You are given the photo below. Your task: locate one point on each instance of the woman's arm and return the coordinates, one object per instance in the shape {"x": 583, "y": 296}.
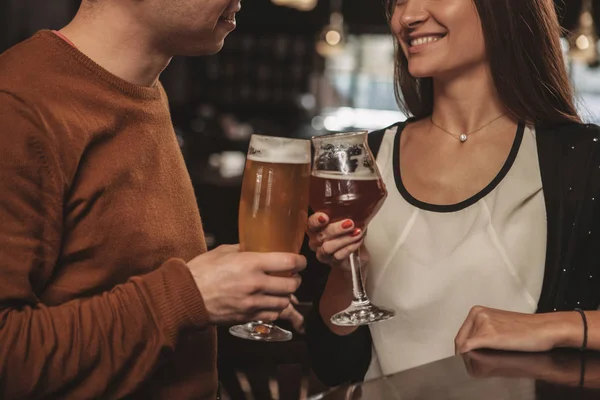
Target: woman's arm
{"x": 336, "y": 297}
{"x": 337, "y": 359}
{"x": 338, "y": 354}
{"x": 504, "y": 330}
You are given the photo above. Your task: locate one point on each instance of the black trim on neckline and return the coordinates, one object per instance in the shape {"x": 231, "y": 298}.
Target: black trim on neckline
{"x": 447, "y": 208}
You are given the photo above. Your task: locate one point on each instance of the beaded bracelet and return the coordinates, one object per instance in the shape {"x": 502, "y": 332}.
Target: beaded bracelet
{"x": 585, "y": 329}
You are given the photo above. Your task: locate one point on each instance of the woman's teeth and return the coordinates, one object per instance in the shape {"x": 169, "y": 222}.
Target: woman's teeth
{"x": 423, "y": 40}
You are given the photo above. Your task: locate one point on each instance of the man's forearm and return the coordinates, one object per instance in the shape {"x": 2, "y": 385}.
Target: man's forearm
{"x": 97, "y": 347}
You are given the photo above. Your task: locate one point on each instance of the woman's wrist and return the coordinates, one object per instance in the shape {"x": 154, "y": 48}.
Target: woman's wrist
{"x": 336, "y": 297}
{"x": 567, "y": 329}
{"x": 344, "y": 272}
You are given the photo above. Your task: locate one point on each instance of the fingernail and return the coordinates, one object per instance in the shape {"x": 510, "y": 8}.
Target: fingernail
{"x": 347, "y": 224}
{"x": 322, "y": 219}
{"x": 356, "y": 232}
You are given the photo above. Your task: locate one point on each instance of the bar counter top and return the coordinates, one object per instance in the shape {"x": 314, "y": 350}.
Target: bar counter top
{"x": 488, "y": 375}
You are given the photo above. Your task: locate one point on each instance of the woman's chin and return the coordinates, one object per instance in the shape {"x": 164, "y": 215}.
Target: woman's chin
{"x": 421, "y": 69}
{"x": 420, "y": 72}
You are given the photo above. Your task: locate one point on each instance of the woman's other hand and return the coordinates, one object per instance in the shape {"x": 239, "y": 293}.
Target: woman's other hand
{"x": 488, "y": 328}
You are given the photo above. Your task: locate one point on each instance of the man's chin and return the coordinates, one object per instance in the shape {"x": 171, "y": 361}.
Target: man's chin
{"x": 214, "y": 49}
{"x": 204, "y": 50}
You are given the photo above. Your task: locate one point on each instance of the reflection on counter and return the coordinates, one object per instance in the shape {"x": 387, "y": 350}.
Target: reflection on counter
{"x": 490, "y": 375}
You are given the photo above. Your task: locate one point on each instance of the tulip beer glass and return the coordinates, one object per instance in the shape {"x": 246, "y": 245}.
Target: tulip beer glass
{"x": 346, "y": 184}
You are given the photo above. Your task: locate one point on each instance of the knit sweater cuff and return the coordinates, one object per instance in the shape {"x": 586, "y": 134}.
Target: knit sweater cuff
{"x": 177, "y": 301}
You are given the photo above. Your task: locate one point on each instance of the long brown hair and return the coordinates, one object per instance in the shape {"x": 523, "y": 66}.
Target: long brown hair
{"x": 522, "y": 39}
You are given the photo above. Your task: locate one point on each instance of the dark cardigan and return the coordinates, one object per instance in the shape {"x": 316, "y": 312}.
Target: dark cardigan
{"x": 569, "y": 158}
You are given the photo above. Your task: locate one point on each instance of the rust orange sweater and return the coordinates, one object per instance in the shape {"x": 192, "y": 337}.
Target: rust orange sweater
{"x": 97, "y": 221}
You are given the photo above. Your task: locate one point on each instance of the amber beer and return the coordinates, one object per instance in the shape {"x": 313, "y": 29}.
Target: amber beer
{"x": 358, "y": 198}
{"x": 274, "y": 200}
{"x": 273, "y": 210}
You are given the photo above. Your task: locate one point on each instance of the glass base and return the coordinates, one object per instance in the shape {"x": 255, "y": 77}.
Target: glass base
{"x": 362, "y": 314}
{"x": 261, "y": 331}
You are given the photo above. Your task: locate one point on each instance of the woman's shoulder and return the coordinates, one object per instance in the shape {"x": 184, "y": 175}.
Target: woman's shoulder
{"x": 570, "y": 131}
{"x": 376, "y": 137}
{"x": 394, "y": 127}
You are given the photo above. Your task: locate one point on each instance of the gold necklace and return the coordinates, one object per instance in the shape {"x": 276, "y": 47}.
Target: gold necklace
{"x": 464, "y": 136}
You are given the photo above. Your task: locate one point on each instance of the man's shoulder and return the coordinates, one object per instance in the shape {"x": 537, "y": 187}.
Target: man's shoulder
{"x": 20, "y": 58}
{"x": 26, "y": 65}
{"x": 18, "y": 79}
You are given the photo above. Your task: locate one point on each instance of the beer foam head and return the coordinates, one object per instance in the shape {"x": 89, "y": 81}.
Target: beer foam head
{"x": 341, "y": 176}
{"x": 279, "y": 150}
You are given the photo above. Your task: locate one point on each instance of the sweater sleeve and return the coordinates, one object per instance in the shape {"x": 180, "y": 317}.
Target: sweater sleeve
{"x": 97, "y": 347}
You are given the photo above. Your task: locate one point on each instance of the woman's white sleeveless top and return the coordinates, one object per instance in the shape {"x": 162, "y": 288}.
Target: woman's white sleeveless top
{"x": 432, "y": 264}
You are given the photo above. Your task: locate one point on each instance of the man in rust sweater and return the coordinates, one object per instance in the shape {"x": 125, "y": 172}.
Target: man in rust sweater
{"x": 106, "y": 288}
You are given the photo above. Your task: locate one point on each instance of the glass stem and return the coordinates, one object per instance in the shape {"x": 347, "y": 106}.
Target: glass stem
{"x": 359, "y": 295}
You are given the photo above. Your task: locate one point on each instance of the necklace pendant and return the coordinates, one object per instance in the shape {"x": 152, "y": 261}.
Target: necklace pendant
{"x": 463, "y": 138}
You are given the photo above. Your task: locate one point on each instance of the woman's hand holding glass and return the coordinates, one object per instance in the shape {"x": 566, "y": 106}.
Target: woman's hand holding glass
{"x": 334, "y": 242}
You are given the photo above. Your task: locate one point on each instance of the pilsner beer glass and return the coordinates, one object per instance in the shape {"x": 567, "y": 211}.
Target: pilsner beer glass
{"x": 346, "y": 184}
{"x": 273, "y": 210}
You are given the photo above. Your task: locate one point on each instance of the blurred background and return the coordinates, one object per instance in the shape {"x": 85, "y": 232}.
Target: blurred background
{"x": 294, "y": 68}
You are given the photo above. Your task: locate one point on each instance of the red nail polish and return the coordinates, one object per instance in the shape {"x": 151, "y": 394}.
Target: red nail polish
{"x": 356, "y": 232}
{"x": 347, "y": 224}
{"x": 322, "y": 219}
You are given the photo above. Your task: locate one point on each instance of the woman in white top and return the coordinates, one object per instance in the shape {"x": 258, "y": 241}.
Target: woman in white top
{"x": 463, "y": 249}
